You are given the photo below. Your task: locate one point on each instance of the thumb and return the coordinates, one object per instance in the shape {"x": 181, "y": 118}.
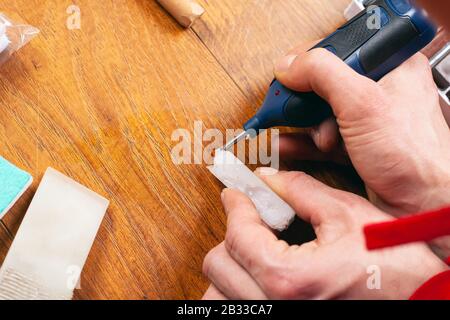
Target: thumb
{"x": 331, "y": 212}
{"x": 351, "y": 95}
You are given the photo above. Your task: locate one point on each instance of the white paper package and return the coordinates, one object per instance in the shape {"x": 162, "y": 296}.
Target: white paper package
{"x": 274, "y": 211}
{"x": 13, "y": 36}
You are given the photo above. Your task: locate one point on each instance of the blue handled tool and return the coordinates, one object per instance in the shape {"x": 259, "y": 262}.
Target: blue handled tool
{"x": 373, "y": 43}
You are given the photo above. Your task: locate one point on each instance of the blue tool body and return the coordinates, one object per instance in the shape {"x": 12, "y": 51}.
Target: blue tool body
{"x": 402, "y": 31}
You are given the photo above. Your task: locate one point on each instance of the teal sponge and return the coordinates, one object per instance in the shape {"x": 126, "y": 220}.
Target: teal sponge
{"x": 13, "y": 183}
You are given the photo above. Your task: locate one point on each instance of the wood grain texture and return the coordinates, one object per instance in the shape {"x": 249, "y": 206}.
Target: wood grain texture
{"x": 100, "y": 104}
{"x": 247, "y": 37}
{"x": 5, "y": 241}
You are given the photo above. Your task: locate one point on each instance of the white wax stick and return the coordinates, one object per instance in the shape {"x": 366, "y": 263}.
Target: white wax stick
{"x": 4, "y": 41}
{"x": 274, "y": 211}
{"x": 53, "y": 241}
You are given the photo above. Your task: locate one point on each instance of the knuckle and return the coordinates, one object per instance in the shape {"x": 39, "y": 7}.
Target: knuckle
{"x": 210, "y": 261}
{"x": 350, "y": 209}
{"x": 344, "y": 198}
{"x": 281, "y": 284}
{"x": 232, "y": 238}
{"x": 423, "y": 65}
{"x": 316, "y": 59}
{"x": 346, "y": 204}
{"x": 421, "y": 60}
{"x": 298, "y": 177}
{"x": 321, "y": 54}
{"x": 281, "y": 289}
{"x": 327, "y": 139}
{"x": 298, "y": 180}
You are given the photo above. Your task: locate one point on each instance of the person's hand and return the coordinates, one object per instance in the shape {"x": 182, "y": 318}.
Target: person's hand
{"x": 253, "y": 264}
{"x": 393, "y": 131}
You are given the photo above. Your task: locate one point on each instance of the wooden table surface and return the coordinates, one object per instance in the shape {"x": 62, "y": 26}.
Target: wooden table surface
{"x": 100, "y": 104}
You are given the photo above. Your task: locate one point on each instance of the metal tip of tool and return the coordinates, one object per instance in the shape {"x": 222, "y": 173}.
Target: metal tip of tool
{"x": 237, "y": 139}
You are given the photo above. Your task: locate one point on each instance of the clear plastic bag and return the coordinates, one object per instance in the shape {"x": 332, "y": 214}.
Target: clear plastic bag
{"x": 13, "y": 36}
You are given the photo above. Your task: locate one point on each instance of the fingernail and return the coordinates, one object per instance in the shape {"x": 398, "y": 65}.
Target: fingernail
{"x": 315, "y": 135}
{"x": 285, "y": 63}
{"x": 222, "y": 195}
{"x": 266, "y": 171}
